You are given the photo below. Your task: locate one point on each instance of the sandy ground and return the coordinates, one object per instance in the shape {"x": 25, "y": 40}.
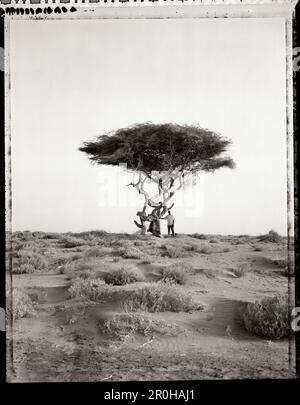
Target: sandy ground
{"x": 64, "y": 340}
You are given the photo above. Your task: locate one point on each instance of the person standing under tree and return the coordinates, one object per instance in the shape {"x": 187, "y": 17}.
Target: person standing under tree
{"x": 170, "y": 222}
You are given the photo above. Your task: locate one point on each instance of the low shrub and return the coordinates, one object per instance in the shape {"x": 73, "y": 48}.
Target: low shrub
{"x": 268, "y": 318}
{"x": 67, "y": 267}
{"x": 76, "y": 265}
{"x": 90, "y": 235}
{"x": 27, "y": 236}
{"x": 61, "y": 260}
{"x": 160, "y": 297}
{"x": 272, "y": 237}
{"x": 51, "y": 236}
{"x": 174, "y": 251}
{"x": 75, "y": 257}
{"x": 97, "y": 251}
{"x": 191, "y": 247}
{"x": 21, "y": 305}
{"x": 173, "y": 274}
{"x": 198, "y": 236}
{"x": 130, "y": 253}
{"x": 86, "y": 274}
{"x": 122, "y": 325}
{"x": 27, "y": 261}
{"x": 87, "y": 288}
{"x": 113, "y": 243}
{"x": 24, "y": 268}
{"x": 205, "y": 249}
{"x": 71, "y": 242}
{"x": 120, "y": 277}
{"x": 16, "y": 247}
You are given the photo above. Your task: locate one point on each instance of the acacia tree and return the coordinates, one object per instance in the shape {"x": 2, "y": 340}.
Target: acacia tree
{"x": 164, "y": 154}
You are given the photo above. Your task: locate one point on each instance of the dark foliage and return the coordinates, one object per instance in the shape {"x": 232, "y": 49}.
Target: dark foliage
{"x": 272, "y": 237}
{"x": 160, "y": 147}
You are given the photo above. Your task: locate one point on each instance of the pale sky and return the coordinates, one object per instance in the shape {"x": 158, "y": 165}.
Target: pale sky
{"x": 73, "y": 80}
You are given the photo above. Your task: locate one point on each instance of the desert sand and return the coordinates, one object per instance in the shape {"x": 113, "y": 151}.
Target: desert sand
{"x": 66, "y": 337}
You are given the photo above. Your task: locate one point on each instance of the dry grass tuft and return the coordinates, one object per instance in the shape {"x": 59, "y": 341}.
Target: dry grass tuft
{"x": 120, "y": 277}
{"x": 268, "y": 318}
{"x": 174, "y": 252}
{"x": 51, "y": 236}
{"x": 28, "y": 261}
{"x": 97, "y": 252}
{"x": 272, "y": 237}
{"x": 192, "y": 247}
{"x": 205, "y": 249}
{"x": 122, "y": 325}
{"x": 176, "y": 273}
{"x": 160, "y": 297}
{"x": 198, "y": 236}
{"x": 71, "y": 242}
{"x": 87, "y": 288}
{"x": 90, "y": 235}
{"x": 21, "y": 306}
{"x": 130, "y": 252}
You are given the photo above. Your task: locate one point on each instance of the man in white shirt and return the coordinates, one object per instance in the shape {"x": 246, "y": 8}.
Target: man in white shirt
{"x": 170, "y": 222}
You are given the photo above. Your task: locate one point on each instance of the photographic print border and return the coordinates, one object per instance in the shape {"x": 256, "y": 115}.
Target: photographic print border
{"x": 159, "y": 9}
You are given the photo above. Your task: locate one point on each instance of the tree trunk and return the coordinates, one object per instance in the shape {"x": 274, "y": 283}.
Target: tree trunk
{"x": 159, "y": 208}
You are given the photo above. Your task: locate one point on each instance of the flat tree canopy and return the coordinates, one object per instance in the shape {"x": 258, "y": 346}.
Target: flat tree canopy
{"x": 161, "y": 147}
